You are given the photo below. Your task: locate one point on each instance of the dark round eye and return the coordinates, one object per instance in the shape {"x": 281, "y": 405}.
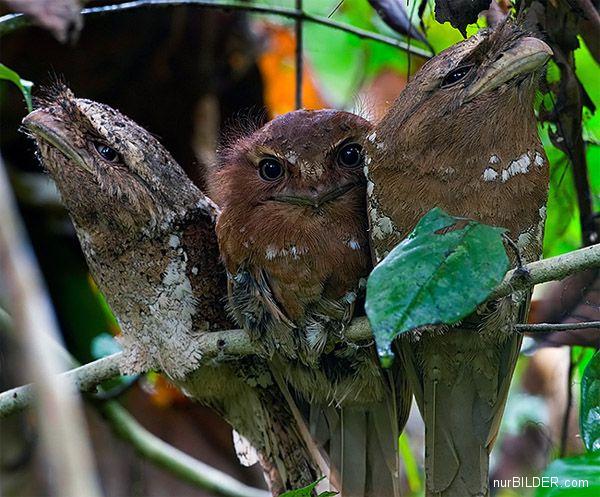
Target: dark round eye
{"x": 350, "y": 155}
{"x": 455, "y": 76}
{"x": 270, "y": 169}
{"x": 107, "y": 153}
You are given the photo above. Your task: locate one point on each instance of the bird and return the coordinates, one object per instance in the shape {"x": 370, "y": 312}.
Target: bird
{"x": 462, "y": 136}
{"x": 292, "y": 232}
{"x": 148, "y": 235}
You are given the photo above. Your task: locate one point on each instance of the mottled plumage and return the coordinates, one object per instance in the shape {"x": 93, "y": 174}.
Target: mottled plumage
{"x": 148, "y": 236}
{"x": 463, "y": 136}
{"x": 293, "y": 237}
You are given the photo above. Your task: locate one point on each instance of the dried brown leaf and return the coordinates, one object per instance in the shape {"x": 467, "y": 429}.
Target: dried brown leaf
{"x": 459, "y": 13}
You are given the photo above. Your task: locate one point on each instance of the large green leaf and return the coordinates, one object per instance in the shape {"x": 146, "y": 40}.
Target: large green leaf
{"x": 23, "y": 85}
{"x": 589, "y": 416}
{"x": 572, "y": 477}
{"x": 308, "y": 491}
{"x": 438, "y": 274}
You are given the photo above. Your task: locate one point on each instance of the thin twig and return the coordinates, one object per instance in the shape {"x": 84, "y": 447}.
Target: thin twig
{"x": 178, "y": 463}
{"x": 546, "y": 327}
{"x": 299, "y": 61}
{"x": 12, "y": 22}
{"x": 335, "y": 9}
{"x": 63, "y": 431}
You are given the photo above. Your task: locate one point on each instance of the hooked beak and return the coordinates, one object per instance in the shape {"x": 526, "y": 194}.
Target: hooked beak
{"x": 528, "y": 55}
{"x": 45, "y": 127}
{"x": 315, "y": 201}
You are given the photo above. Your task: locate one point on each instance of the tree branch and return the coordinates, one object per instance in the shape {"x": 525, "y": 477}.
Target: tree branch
{"x": 555, "y": 268}
{"x": 12, "y": 22}
{"x": 221, "y": 345}
{"x": 173, "y": 460}
{"x": 546, "y": 327}
{"x": 84, "y": 378}
{"x": 157, "y": 451}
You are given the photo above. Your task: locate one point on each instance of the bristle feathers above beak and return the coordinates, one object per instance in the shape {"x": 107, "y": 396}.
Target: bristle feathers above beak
{"x": 45, "y": 127}
{"x": 526, "y": 56}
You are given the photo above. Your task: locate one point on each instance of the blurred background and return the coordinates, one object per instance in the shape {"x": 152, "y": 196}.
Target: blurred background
{"x": 190, "y": 74}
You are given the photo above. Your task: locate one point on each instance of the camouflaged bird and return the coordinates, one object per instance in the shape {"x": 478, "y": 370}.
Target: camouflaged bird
{"x": 148, "y": 236}
{"x": 463, "y": 136}
{"x": 293, "y": 236}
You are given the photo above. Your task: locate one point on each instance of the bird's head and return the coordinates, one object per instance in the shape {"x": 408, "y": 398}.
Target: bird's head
{"x": 468, "y": 93}
{"x": 113, "y": 175}
{"x": 301, "y": 164}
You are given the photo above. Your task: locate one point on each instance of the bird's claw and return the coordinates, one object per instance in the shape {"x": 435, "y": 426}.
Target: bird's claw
{"x": 510, "y": 242}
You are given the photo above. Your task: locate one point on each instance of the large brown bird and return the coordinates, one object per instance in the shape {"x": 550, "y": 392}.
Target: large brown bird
{"x": 463, "y": 136}
{"x": 148, "y": 236}
{"x": 293, "y": 236}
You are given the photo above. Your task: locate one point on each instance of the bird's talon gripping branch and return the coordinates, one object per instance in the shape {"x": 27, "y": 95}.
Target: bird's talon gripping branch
{"x": 522, "y": 275}
{"x": 511, "y": 243}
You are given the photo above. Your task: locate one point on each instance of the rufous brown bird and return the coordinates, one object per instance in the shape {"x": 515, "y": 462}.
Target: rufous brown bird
{"x": 293, "y": 236}
{"x": 148, "y": 236}
{"x": 463, "y": 136}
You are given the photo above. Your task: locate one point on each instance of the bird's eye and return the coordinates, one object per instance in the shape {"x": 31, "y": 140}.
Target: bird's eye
{"x": 455, "y": 76}
{"x": 106, "y": 152}
{"x": 350, "y": 155}
{"x": 270, "y": 169}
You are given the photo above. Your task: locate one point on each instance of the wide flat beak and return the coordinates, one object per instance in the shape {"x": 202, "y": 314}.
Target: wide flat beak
{"x": 46, "y": 127}
{"x": 525, "y": 57}
{"x": 315, "y": 201}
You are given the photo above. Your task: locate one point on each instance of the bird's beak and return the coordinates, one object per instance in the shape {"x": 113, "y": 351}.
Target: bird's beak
{"x": 315, "y": 201}
{"x": 46, "y": 127}
{"x": 525, "y": 57}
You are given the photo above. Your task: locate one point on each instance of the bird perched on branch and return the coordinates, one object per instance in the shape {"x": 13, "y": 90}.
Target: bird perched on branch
{"x": 148, "y": 236}
{"x": 293, "y": 237}
{"x": 463, "y": 136}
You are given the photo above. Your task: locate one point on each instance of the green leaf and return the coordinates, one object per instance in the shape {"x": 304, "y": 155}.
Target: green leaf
{"x": 24, "y": 85}
{"x": 308, "y": 491}
{"x": 571, "y": 477}
{"x": 439, "y": 274}
{"x": 589, "y": 416}
{"x": 410, "y": 463}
